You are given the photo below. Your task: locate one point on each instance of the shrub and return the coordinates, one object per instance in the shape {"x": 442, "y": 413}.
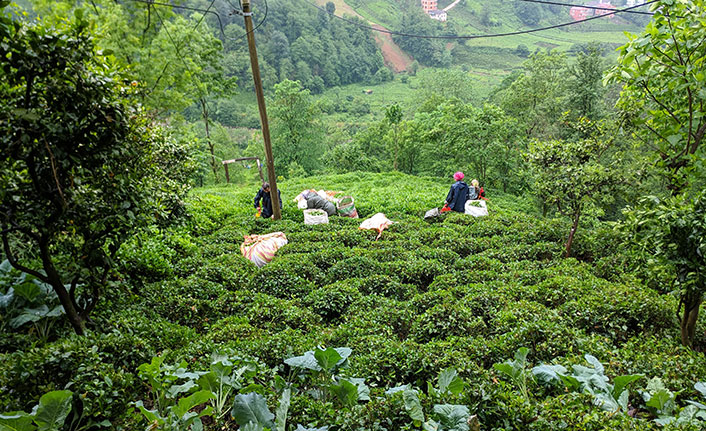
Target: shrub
{"x": 354, "y": 267}
{"x": 281, "y": 281}
{"x": 444, "y": 320}
{"x": 386, "y": 286}
{"x": 331, "y": 302}
{"x": 416, "y": 271}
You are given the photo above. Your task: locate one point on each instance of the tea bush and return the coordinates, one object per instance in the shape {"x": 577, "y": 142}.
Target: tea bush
{"x": 455, "y": 292}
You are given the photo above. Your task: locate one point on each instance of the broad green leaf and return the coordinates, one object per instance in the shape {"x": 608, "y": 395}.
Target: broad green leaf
{"x": 5, "y": 266}
{"x": 452, "y": 417}
{"x": 701, "y": 387}
{"x": 363, "y": 389}
{"x": 521, "y": 355}
{"x": 30, "y": 315}
{"x": 56, "y": 311}
{"x": 659, "y": 400}
{"x": 507, "y": 369}
{"x": 606, "y": 402}
{"x": 16, "y": 421}
{"x": 209, "y": 382}
{"x": 186, "y": 387}
{"x": 595, "y": 362}
{"x": 346, "y": 392}
{"x": 450, "y": 381}
{"x": 620, "y": 382}
{"x": 150, "y": 415}
{"x": 27, "y": 290}
{"x": 571, "y": 382}
{"x": 281, "y": 411}
{"x": 623, "y": 399}
{"x": 548, "y": 374}
{"x": 6, "y": 299}
{"x": 396, "y": 389}
{"x": 252, "y": 407}
{"x": 53, "y": 408}
{"x": 307, "y": 361}
{"x": 252, "y": 426}
{"x": 430, "y": 425}
{"x": 327, "y": 359}
{"x": 196, "y": 399}
{"x": 412, "y": 405}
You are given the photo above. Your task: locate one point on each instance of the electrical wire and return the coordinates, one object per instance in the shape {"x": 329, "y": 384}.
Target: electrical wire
{"x": 584, "y": 6}
{"x": 205, "y": 11}
{"x": 479, "y": 36}
{"x": 237, "y": 10}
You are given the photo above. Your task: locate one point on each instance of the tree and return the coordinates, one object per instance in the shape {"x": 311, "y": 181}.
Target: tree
{"x": 586, "y": 90}
{"x": 662, "y": 72}
{"x": 571, "y": 174}
{"x": 535, "y": 98}
{"x": 671, "y": 233}
{"x": 77, "y": 178}
{"x": 393, "y": 116}
{"x": 296, "y": 132}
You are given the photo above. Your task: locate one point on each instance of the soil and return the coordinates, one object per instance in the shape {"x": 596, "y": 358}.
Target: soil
{"x": 394, "y": 57}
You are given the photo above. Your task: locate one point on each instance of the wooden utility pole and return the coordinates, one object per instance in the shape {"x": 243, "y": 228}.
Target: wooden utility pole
{"x": 247, "y": 14}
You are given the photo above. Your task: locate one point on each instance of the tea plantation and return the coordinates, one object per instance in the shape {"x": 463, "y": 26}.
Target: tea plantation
{"x": 460, "y": 323}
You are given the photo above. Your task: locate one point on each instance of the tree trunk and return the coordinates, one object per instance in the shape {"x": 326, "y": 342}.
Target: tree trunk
{"x": 204, "y": 114}
{"x": 71, "y": 313}
{"x": 692, "y": 303}
{"x": 54, "y": 279}
{"x": 570, "y": 240}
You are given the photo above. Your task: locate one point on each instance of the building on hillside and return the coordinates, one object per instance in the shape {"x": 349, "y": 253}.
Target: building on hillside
{"x": 429, "y": 5}
{"x": 438, "y": 15}
{"x": 579, "y": 13}
{"x": 631, "y": 3}
{"x": 604, "y": 5}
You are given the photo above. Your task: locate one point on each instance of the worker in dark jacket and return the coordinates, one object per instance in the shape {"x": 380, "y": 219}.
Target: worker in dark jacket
{"x": 264, "y": 194}
{"x": 458, "y": 195}
{"x": 314, "y": 201}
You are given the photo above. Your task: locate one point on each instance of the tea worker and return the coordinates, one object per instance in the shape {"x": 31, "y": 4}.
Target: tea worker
{"x": 264, "y": 194}
{"x": 458, "y": 195}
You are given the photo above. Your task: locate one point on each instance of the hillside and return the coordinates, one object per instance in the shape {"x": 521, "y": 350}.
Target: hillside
{"x": 497, "y": 56}
{"x": 426, "y": 298}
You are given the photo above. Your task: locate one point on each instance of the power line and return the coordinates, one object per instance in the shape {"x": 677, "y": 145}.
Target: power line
{"x": 479, "y": 36}
{"x": 205, "y": 11}
{"x": 586, "y": 6}
{"x": 237, "y": 10}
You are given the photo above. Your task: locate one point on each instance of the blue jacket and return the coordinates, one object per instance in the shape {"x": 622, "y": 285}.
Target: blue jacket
{"x": 266, "y": 202}
{"x": 457, "y": 197}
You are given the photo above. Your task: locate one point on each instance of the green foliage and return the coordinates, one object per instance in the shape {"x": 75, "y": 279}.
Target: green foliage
{"x": 296, "y": 133}
{"x": 668, "y": 233}
{"x": 661, "y": 70}
{"x": 49, "y": 415}
{"x": 572, "y": 175}
{"x": 78, "y": 178}
{"x": 431, "y": 307}
{"x": 27, "y": 300}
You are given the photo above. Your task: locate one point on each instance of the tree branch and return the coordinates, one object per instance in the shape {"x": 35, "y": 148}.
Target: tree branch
{"x": 13, "y": 261}
{"x": 669, "y": 111}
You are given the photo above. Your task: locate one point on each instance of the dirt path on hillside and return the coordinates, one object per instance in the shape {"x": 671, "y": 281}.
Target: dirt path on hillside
{"x": 393, "y": 55}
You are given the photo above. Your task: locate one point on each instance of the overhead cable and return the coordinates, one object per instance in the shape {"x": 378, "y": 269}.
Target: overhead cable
{"x": 585, "y": 6}
{"x": 478, "y": 36}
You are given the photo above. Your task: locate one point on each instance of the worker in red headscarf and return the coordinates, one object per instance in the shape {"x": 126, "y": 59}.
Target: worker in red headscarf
{"x": 458, "y": 195}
